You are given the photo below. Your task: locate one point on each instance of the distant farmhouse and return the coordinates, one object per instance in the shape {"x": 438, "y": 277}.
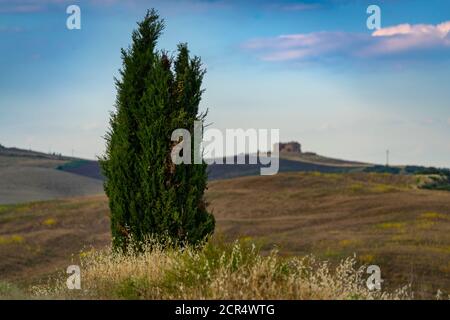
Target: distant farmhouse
{"x": 289, "y": 147}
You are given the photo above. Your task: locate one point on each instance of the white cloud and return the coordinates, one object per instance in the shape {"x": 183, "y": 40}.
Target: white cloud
{"x": 440, "y": 30}
{"x": 403, "y": 38}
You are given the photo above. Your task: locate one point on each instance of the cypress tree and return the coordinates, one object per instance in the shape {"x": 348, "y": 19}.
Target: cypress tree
{"x": 148, "y": 194}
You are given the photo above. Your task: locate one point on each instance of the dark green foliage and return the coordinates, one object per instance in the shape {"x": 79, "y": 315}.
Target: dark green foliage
{"x": 382, "y": 169}
{"x": 438, "y": 183}
{"x": 440, "y": 178}
{"x": 149, "y": 196}
{"x": 72, "y": 164}
{"x": 427, "y": 170}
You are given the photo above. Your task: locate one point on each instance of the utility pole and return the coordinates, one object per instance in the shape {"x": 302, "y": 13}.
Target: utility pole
{"x": 387, "y": 158}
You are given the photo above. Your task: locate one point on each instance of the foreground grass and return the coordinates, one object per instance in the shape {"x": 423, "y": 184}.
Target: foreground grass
{"x": 215, "y": 271}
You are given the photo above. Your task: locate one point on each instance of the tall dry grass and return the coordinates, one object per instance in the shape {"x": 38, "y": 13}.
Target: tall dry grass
{"x": 214, "y": 271}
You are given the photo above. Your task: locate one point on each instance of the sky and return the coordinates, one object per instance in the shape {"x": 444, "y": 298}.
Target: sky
{"x": 312, "y": 69}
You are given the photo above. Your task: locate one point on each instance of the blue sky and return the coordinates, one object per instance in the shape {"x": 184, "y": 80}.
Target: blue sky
{"x": 309, "y": 68}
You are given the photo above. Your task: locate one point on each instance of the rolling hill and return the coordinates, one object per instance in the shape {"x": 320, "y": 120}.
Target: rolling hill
{"x": 27, "y": 175}
{"x": 31, "y": 176}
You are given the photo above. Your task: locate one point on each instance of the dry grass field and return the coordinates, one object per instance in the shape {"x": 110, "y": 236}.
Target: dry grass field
{"x": 383, "y": 219}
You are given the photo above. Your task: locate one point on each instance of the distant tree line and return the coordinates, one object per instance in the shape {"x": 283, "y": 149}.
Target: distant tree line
{"x": 439, "y": 177}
